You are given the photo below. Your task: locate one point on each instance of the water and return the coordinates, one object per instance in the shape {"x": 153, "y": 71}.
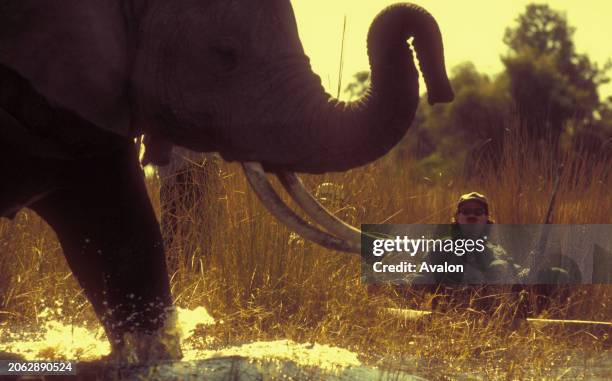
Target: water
{"x": 53, "y": 339}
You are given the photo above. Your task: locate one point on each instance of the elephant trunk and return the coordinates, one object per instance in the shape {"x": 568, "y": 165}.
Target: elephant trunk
{"x": 368, "y": 128}
{"x": 310, "y": 131}
{"x": 359, "y": 132}
{"x": 391, "y": 60}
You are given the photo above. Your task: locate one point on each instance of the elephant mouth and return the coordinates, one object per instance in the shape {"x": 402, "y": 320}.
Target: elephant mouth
{"x": 336, "y": 234}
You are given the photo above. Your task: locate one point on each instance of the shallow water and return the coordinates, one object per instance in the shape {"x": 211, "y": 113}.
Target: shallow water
{"x": 54, "y": 339}
{"x": 75, "y": 342}
{"x": 251, "y": 361}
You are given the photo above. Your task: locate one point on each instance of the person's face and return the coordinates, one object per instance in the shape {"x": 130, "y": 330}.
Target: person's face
{"x": 471, "y": 212}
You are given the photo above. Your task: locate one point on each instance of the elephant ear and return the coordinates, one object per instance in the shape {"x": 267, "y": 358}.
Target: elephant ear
{"x": 73, "y": 53}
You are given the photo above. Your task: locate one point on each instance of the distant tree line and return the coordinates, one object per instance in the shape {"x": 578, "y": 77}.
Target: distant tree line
{"x": 547, "y": 90}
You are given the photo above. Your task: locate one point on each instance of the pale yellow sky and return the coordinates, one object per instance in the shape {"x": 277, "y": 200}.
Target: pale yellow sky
{"x": 472, "y": 31}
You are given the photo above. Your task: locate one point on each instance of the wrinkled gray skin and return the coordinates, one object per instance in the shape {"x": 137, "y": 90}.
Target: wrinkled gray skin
{"x": 248, "y": 98}
{"x": 228, "y": 76}
{"x": 80, "y": 78}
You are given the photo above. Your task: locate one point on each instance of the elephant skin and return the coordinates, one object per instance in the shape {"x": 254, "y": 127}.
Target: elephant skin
{"x": 80, "y": 79}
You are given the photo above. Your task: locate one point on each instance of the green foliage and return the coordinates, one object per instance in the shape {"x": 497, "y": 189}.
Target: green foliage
{"x": 543, "y": 29}
{"x": 474, "y": 122}
{"x": 549, "y": 81}
{"x": 547, "y": 88}
{"x": 359, "y": 86}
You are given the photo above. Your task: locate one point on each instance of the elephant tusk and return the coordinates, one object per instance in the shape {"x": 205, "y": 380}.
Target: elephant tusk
{"x": 271, "y": 200}
{"x": 295, "y": 187}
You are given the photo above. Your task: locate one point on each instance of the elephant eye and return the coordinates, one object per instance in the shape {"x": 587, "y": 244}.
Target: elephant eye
{"x": 226, "y": 52}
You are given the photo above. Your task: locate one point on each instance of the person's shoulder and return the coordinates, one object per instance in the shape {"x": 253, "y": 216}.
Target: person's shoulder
{"x": 497, "y": 250}
{"x": 496, "y": 247}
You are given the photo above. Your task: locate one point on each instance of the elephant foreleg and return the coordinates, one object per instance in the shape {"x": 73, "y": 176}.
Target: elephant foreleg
{"x": 112, "y": 242}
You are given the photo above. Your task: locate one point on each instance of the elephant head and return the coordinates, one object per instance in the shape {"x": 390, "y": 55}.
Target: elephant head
{"x": 219, "y": 75}
{"x": 232, "y": 76}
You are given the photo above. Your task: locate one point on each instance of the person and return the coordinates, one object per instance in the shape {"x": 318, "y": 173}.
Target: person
{"x": 471, "y": 221}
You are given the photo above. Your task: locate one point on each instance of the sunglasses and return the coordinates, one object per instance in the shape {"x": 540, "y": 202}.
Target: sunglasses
{"x": 472, "y": 211}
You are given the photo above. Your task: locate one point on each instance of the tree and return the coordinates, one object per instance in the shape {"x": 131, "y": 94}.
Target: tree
{"x": 549, "y": 81}
{"x": 470, "y": 130}
{"x": 359, "y": 86}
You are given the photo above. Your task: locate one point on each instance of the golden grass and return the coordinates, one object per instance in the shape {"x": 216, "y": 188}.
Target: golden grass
{"x": 265, "y": 283}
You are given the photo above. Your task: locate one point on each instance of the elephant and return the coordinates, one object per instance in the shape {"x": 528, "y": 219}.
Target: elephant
{"x": 190, "y": 188}
{"x": 81, "y": 79}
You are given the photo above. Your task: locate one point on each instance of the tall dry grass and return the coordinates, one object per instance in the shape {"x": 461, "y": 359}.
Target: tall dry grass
{"x": 263, "y": 282}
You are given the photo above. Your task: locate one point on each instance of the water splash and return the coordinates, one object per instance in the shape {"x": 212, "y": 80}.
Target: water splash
{"x": 188, "y": 320}
{"x": 54, "y": 339}
{"x": 321, "y": 356}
